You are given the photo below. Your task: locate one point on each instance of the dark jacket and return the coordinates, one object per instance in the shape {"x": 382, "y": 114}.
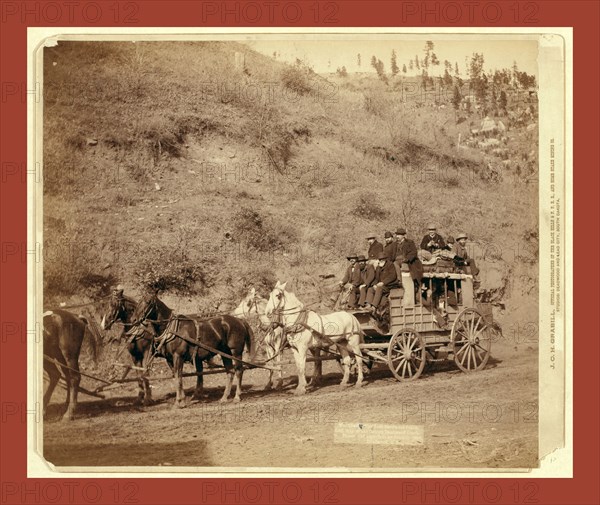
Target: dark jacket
{"x": 387, "y": 275}
{"x": 391, "y": 250}
{"x": 352, "y": 276}
{"x": 375, "y": 249}
{"x": 368, "y": 275}
{"x": 438, "y": 242}
{"x": 460, "y": 251}
{"x": 407, "y": 253}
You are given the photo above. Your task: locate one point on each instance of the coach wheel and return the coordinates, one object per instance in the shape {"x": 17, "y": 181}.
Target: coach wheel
{"x": 406, "y": 354}
{"x": 471, "y": 341}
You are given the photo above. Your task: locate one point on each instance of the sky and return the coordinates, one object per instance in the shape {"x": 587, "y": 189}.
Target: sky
{"x": 330, "y": 52}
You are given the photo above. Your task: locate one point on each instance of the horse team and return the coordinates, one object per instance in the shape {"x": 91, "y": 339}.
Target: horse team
{"x": 154, "y": 330}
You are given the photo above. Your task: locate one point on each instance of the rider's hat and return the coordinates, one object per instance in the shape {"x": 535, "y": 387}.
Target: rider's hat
{"x": 431, "y": 227}
{"x": 388, "y": 234}
{"x": 382, "y": 256}
{"x": 461, "y": 235}
{"x": 400, "y": 231}
{"x": 361, "y": 257}
{"x": 352, "y": 256}
{"x": 372, "y": 235}
{"x": 118, "y": 288}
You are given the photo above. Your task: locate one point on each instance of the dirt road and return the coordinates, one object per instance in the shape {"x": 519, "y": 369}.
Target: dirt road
{"x": 484, "y": 419}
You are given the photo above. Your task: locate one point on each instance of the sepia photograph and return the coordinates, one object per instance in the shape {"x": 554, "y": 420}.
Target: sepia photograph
{"x": 295, "y": 252}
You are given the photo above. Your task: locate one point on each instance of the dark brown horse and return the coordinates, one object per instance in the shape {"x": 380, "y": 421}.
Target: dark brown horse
{"x": 120, "y": 308}
{"x": 63, "y": 336}
{"x": 193, "y": 339}
{"x": 139, "y": 344}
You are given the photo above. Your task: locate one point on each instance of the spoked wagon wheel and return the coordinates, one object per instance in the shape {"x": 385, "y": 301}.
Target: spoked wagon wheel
{"x": 406, "y": 354}
{"x": 471, "y": 341}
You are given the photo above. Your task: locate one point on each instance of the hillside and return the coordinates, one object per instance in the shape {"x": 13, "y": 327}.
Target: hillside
{"x": 204, "y": 168}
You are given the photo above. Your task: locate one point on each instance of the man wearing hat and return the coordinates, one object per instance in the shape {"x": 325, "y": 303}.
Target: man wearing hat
{"x": 432, "y": 241}
{"x": 356, "y": 281}
{"x": 367, "y": 275}
{"x": 407, "y": 254}
{"x": 385, "y": 280}
{"x": 375, "y": 248}
{"x": 351, "y": 276}
{"x": 117, "y": 291}
{"x": 461, "y": 254}
{"x": 390, "y": 247}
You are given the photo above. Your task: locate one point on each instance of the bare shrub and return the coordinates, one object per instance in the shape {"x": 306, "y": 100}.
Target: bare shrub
{"x": 296, "y": 80}
{"x": 368, "y": 207}
{"x": 262, "y": 234}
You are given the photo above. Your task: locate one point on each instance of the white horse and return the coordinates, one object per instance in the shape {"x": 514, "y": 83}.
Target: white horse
{"x": 254, "y": 306}
{"x": 305, "y": 329}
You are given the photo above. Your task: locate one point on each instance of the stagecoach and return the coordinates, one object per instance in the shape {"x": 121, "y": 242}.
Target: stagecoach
{"x": 443, "y": 321}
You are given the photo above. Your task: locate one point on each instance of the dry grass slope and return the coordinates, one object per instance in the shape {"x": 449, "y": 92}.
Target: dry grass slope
{"x": 265, "y": 172}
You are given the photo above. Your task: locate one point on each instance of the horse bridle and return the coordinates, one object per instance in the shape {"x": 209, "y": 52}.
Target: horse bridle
{"x": 120, "y": 309}
{"x": 253, "y": 303}
{"x": 279, "y": 312}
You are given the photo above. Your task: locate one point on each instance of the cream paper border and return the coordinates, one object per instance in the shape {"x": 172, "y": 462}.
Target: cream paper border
{"x": 555, "y": 73}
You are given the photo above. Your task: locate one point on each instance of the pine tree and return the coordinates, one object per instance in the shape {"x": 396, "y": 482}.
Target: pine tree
{"x": 447, "y": 78}
{"x": 456, "y": 99}
{"x": 404, "y": 68}
{"x": 503, "y": 100}
{"x": 394, "y": 64}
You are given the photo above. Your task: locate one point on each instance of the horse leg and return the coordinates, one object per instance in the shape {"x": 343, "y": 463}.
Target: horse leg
{"x": 270, "y": 351}
{"x": 145, "y": 390}
{"x": 355, "y": 348}
{"x": 300, "y": 358}
{"x": 239, "y": 372}
{"x": 178, "y": 370}
{"x": 281, "y": 339}
{"x": 279, "y": 382}
{"x": 73, "y": 362}
{"x": 346, "y": 361}
{"x": 199, "y": 392}
{"x": 228, "y": 380}
{"x": 68, "y": 379}
{"x": 53, "y": 376}
{"x": 317, "y": 368}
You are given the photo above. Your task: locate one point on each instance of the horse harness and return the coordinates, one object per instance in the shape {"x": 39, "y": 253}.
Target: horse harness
{"x": 300, "y": 325}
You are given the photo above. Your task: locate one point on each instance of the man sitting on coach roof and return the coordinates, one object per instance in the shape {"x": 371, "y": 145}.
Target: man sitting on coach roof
{"x": 385, "y": 281}
{"x": 348, "y": 275}
{"x": 432, "y": 241}
{"x": 407, "y": 254}
{"x": 461, "y": 255}
{"x": 367, "y": 275}
{"x": 390, "y": 248}
{"x": 375, "y": 248}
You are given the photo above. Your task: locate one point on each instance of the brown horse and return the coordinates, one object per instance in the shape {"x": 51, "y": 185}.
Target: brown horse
{"x": 139, "y": 345}
{"x": 192, "y": 339}
{"x": 63, "y": 336}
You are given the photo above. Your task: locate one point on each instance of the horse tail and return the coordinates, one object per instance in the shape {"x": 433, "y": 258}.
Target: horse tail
{"x": 249, "y": 340}
{"x": 93, "y": 340}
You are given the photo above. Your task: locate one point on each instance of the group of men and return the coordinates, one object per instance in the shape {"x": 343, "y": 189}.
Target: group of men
{"x": 370, "y": 278}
